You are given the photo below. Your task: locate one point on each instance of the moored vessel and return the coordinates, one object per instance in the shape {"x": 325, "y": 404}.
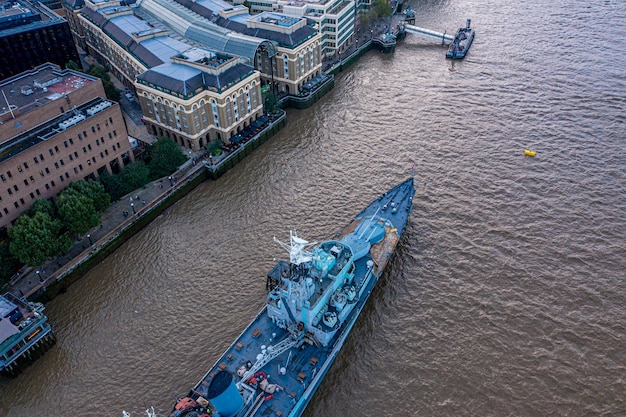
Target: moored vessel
{"x": 462, "y": 42}
{"x": 25, "y": 333}
{"x": 277, "y": 363}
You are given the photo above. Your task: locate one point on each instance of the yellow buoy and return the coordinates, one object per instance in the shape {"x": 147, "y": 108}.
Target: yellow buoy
{"x": 528, "y": 152}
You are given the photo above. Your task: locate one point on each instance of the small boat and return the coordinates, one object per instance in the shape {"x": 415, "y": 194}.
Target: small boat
{"x": 529, "y": 152}
{"x": 25, "y": 333}
{"x": 278, "y": 362}
{"x": 461, "y": 43}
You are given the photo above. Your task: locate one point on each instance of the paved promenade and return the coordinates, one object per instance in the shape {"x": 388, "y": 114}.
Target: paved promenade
{"x": 116, "y": 218}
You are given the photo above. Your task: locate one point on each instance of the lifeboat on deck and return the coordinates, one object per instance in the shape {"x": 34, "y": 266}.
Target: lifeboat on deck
{"x": 529, "y": 152}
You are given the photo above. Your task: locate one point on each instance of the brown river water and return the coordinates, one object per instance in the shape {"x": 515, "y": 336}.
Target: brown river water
{"x": 507, "y": 296}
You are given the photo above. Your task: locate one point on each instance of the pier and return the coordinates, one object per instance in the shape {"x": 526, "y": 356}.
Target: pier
{"x": 427, "y": 33}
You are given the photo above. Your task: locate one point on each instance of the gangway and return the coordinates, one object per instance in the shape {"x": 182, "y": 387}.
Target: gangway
{"x": 427, "y": 33}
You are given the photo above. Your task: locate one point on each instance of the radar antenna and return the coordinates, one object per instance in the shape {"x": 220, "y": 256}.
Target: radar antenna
{"x": 297, "y": 248}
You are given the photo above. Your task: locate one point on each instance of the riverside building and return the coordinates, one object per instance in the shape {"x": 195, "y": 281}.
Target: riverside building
{"x": 30, "y": 35}
{"x": 285, "y": 49}
{"x": 55, "y": 127}
{"x": 335, "y": 19}
{"x": 190, "y": 94}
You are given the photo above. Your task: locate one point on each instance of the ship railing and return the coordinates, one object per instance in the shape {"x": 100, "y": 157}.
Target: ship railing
{"x": 258, "y": 401}
{"x": 29, "y": 336}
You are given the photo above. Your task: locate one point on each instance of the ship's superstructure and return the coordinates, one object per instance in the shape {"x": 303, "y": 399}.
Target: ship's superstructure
{"x": 277, "y": 363}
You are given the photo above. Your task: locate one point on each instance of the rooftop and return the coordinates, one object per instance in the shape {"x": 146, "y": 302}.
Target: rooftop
{"x": 34, "y": 88}
{"x": 50, "y": 128}
{"x": 20, "y": 15}
{"x": 276, "y": 19}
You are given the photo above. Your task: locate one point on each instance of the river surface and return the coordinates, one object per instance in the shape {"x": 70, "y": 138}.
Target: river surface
{"x": 507, "y": 296}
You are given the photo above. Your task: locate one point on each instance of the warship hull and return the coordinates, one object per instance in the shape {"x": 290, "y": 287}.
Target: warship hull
{"x": 275, "y": 366}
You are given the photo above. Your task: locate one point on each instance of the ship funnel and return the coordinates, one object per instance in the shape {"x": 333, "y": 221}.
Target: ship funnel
{"x": 224, "y": 395}
{"x": 468, "y": 23}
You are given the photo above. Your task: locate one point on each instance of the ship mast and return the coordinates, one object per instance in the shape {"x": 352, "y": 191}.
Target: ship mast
{"x": 297, "y": 248}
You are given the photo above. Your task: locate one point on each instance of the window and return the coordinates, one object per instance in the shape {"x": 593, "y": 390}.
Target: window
{"x": 9, "y": 174}
{"x": 36, "y": 160}
{"x": 25, "y": 165}
{"x": 47, "y": 186}
{"x": 25, "y": 182}
{"x": 65, "y": 143}
{"x": 62, "y": 163}
{"x": 15, "y": 188}
{"x": 47, "y": 170}
{"x": 4, "y": 179}
{"x": 51, "y": 152}
{"x": 19, "y": 168}
{"x": 32, "y": 196}
{"x": 71, "y": 141}
{"x": 52, "y": 183}
{"x": 37, "y": 191}
{"x": 56, "y": 149}
{"x": 41, "y": 156}
{"x": 93, "y": 129}
{"x": 10, "y": 191}
{"x": 56, "y": 165}
{"x": 16, "y": 205}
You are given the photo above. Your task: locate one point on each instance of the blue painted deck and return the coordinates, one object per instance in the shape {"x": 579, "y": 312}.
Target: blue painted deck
{"x": 304, "y": 364}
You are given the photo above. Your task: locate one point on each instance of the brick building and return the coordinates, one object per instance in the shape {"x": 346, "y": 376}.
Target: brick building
{"x": 55, "y": 127}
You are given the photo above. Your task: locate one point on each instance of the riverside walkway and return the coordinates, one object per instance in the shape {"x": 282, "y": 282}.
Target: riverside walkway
{"x": 115, "y": 219}
{"x": 123, "y": 213}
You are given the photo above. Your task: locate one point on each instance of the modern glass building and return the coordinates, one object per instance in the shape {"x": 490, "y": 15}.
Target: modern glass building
{"x": 31, "y": 34}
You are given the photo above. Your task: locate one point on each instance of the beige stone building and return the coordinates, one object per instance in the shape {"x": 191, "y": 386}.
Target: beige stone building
{"x": 199, "y": 97}
{"x": 55, "y": 127}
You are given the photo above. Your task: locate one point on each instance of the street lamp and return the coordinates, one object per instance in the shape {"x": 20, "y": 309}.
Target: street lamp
{"x": 39, "y": 275}
{"x": 132, "y": 205}
{"x": 89, "y": 237}
{"x": 171, "y": 183}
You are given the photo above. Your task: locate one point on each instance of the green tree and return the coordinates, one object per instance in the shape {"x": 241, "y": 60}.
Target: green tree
{"x": 111, "y": 92}
{"x": 34, "y": 239}
{"x": 114, "y": 185}
{"x": 271, "y": 102}
{"x": 215, "y": 147}
{"x": 77, "y": 211}
{"x": 135, "y": 175}
{"x": 9, "y": 264}
{"x": 42, "y": 205}
{"x": 73, "y": 66}
{"x": 381, "y": 8}
{"x": 165, "y": 158}
{"x": 94, "y": 191}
